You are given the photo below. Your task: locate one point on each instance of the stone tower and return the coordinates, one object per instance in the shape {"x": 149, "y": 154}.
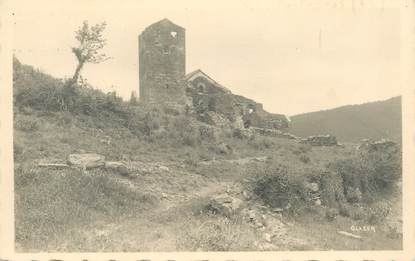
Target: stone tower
{"x": 162, "y": 61}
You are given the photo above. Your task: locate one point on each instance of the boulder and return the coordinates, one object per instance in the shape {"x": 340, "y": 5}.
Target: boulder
{"x": 247, "y": 195}
{"x": 118, "y": 167}
{"x": 267, "y": 237}
{"x": 164, "y": 168}
{"x": 225, "y": 204}
{"x": 86, "y": 160}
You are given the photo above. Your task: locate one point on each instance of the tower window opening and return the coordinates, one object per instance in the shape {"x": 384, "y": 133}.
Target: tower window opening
{"x": 174, "y": 34}
{"x": 201, "y": 87}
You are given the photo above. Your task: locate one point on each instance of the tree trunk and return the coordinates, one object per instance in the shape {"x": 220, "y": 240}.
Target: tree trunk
{"x": 76, "y": 74}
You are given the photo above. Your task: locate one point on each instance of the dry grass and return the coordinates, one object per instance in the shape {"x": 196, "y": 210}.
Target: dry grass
{"x": 67, "y": 210}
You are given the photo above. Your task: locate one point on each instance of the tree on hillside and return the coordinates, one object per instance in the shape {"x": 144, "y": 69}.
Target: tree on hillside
{"x": 133, "y": 99}
{"x": 90, "y": 43}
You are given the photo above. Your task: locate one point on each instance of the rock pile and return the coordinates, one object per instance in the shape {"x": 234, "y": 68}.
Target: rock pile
{"x": 274, "y": 133}
{"x": 93, "y": 160}
{"x": 215, "y": 119}
{"x": 313, "y": 190}
{"x": 382, "y": 145}
{"x": 320, "y": 140}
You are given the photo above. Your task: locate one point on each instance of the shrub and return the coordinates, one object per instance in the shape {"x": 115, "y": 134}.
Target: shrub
{"x": 183, "y": 131}
{"x": 277, "y": 189}
{"x": 367, "y": 174}
{"x": 331, "y": 214}
{"x": 27, "y": 124}
{"x": 64, "y": 118}
{"x": 151, "y": 123}
{"x": 331, "y": 188}
{"x": 216, "y": 233}
{"x": 378, "y": 212}
{"x": 345, "y": 210}
{"x": 260, "y": 143}
{"x": 300, "y": 149}
{"x": 208, "y": 133}
{"x": 191, "y": 160}
{"x": 304, "y": 158}
{"x": 17, "y": 149}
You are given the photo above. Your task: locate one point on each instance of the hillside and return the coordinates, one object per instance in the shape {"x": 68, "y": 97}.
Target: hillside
{"x": 185, "y": 185}
{"x": 352, "y": 123}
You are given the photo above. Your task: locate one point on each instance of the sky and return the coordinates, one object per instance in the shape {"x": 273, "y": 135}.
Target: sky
{"x": 293, "y": 59}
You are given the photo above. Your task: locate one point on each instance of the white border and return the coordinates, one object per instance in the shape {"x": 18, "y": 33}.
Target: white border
{"x": 408, "y": 118}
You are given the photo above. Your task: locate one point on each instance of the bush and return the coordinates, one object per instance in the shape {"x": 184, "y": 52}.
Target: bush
{"x": 27, "y": 124}
{"x": 208, "y": 133}
{"x": 260, "y": 143}
{"x": 301, "y": 149}
{"x": 331, "y": 214}
{"x": 277, "y": 189}
{"x": 64, "y": 118}
{"x": 366, "y": 175}
{"x": 378, "y": 212}
{"x": 191, "y": 160}
{"x": 17, "y": 150}
{"x": 216, "y": 233}
{"x": 331, "y": 185}
{"x": 184, "y": 132}
{"x": 304, "y": 158}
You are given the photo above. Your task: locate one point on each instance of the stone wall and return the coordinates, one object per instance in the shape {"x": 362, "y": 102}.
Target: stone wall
{"x": 320, "y": 140}
{"x": 209, "y": 96}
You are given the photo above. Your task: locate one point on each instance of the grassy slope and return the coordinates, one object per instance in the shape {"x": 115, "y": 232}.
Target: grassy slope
{"x": 154, "y": 209}
{"x": 352, "y": 123}
{"x": 66, "y": 210}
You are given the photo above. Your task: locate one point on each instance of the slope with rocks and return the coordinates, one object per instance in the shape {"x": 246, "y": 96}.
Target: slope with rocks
{"x": 173, "y": 170}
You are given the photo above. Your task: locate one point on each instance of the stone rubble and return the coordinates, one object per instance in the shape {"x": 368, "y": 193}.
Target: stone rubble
{"x": 320, "y": 140}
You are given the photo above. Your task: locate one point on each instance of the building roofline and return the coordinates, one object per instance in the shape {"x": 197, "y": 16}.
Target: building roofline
{"x": 164, "y": 20}
{"x": 191, "y": 74}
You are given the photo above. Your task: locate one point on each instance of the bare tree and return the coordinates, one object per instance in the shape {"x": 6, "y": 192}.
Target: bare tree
{"x": 91, "y": 42}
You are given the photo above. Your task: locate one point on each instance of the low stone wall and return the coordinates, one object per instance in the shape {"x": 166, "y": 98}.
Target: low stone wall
{"x": 320, "y": 140}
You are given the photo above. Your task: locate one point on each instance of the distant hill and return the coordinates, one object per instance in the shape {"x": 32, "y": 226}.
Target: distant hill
{"x": 351, "y": 123}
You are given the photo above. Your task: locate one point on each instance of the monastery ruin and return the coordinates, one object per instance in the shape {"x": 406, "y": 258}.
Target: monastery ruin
{"x": 164, "y": 82}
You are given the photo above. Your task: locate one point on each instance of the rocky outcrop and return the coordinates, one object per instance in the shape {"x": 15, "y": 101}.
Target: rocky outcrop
{"x": 118, "y": 167}
{"x": 86, "y": 160}
{"x": 225, "y": 205}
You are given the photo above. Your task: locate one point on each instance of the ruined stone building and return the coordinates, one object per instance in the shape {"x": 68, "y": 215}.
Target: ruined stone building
{"x": 162, "y": 62}
{"x": 163, "y": 81}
